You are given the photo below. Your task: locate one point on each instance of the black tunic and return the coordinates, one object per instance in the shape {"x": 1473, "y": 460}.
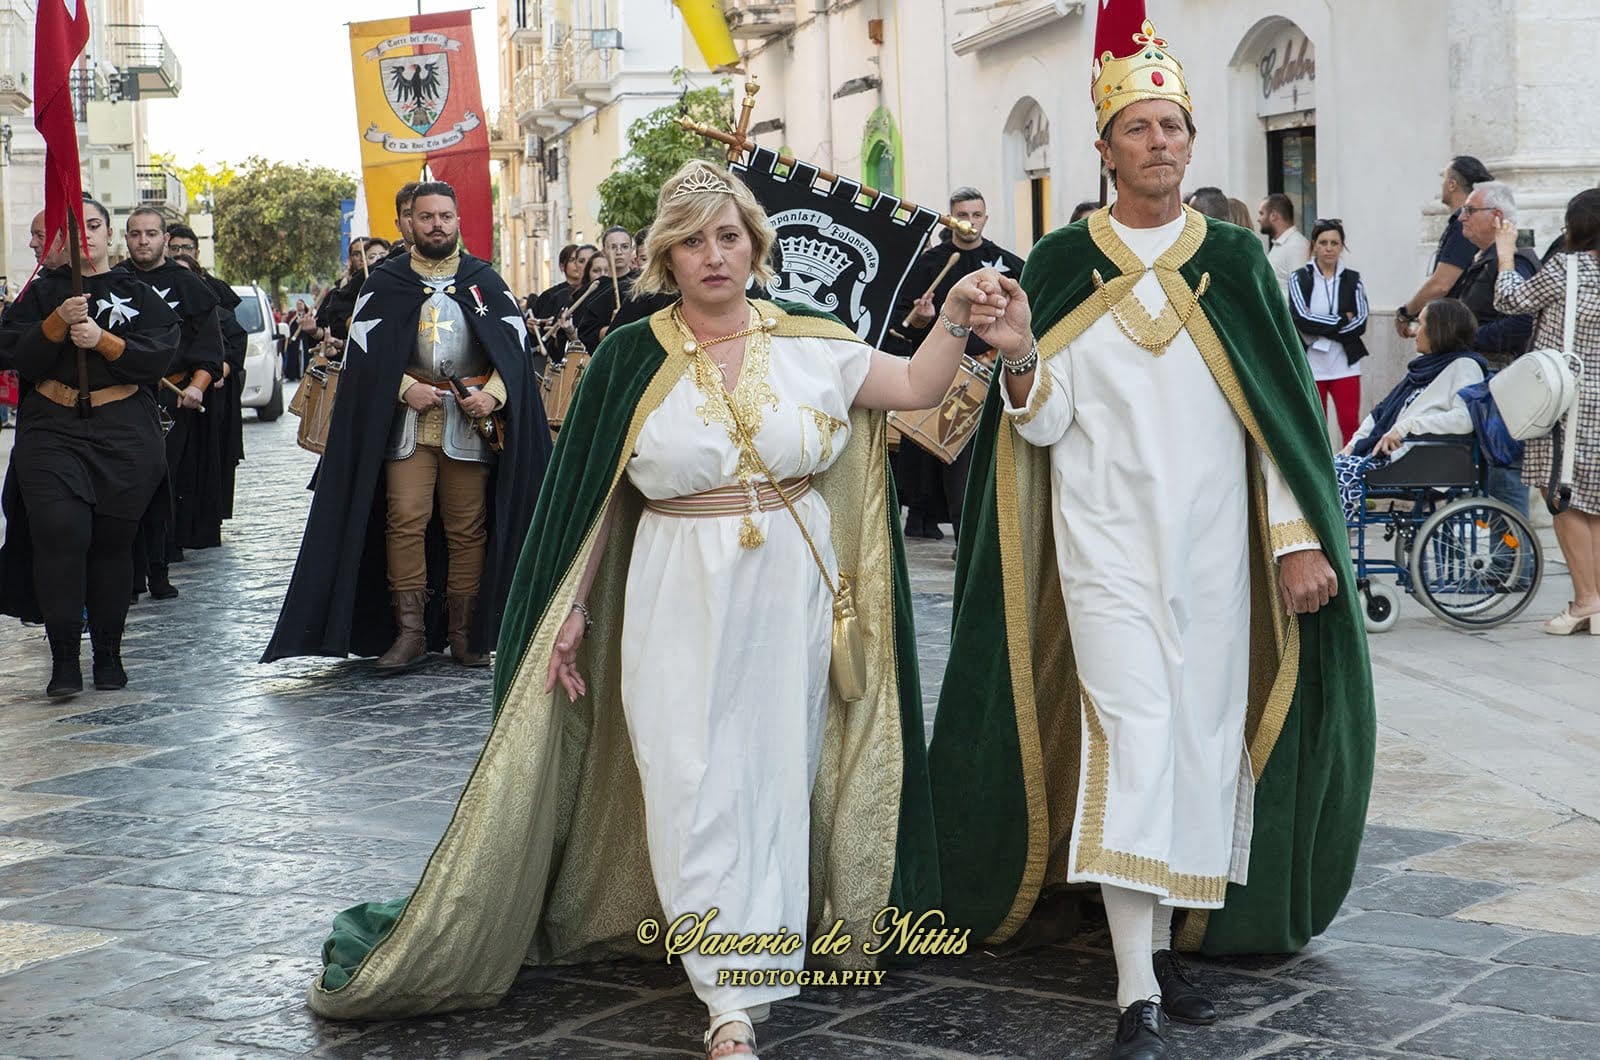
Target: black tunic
{"x": 599, "y": 309}
{"x": 196, "y": 441}
{"x": 229, "y": 409}
{"x": 113, "y": 459}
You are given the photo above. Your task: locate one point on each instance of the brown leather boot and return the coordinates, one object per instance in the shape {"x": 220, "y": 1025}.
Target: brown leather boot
{"x": 461, "y": 609}
{"x": 410, "y": 648}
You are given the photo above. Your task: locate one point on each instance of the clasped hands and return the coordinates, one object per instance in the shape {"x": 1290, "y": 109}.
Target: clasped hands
{"x": 81, "y": 327}
{"x": 995, "y": 308}
{"x": 421, "y": 397}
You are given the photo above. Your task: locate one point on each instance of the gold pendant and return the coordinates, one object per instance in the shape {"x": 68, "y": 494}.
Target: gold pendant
{"x": 750, "y": 535}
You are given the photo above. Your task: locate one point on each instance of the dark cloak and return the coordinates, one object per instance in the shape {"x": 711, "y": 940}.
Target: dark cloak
{"x": 338, "y": 597}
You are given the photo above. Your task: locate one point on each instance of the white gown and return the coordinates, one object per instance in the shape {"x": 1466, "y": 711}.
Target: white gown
{"x": 1151, "y": 529}
{"x": 725, "y": 652}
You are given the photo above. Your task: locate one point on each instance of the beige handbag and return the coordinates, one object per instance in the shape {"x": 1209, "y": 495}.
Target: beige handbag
{"x": 847, "y": 668}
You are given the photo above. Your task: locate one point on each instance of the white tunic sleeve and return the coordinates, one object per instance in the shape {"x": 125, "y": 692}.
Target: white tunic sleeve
{"x": 1045, "y": 418}
{"x": 854, "y": 359}
{"x": 1290, "y": 530}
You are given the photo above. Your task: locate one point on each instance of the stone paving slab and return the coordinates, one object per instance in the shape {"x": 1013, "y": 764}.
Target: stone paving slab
{"x": 171, "y": 857}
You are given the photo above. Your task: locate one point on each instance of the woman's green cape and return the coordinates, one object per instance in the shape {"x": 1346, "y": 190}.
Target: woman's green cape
{"x": 544, "y": 860}
{"x": 1005, "y": 757}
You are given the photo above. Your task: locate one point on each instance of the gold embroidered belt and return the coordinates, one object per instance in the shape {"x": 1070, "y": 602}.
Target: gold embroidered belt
{"x": 740, "y": 499}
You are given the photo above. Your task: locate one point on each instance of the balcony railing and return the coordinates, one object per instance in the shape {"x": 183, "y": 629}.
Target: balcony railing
{"x": 527, "y": 26}
{"x": 143, "y": 52}
{"x": 86, "y": 86}
{"x": 160, "y": 187}
{"x": 525, "y": 92}
{"x": 590, "y": 71}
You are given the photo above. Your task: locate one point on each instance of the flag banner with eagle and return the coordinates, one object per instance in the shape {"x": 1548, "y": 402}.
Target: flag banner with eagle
{"x": 418, "y": 102}
{"x": 838, "y": 250}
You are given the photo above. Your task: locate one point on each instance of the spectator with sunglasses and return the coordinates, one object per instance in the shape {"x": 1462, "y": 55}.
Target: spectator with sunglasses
{"x": 1329, "y": 305}
{"x": 1455, "y": 251}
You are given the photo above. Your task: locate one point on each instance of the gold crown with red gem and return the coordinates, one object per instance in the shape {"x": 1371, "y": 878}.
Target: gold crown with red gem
{"x": 1150, "y": 72}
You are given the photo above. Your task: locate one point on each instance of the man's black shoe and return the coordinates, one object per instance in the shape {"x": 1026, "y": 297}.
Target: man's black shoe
{"x": 1141, "y": 1033}
{"x": 913, "y": 524}
{"x": 1181, "y": 998}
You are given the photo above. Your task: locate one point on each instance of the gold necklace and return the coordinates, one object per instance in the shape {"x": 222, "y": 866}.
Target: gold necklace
{"x": 1157, "y": 334}
{"x": 691, "y": 345}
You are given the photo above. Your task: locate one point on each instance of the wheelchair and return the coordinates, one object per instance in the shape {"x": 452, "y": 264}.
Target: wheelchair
{"x": 1470, "y": 559}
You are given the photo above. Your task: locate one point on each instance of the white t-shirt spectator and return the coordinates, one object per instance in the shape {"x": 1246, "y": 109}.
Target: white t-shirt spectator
{"x": 1287, "y": 253}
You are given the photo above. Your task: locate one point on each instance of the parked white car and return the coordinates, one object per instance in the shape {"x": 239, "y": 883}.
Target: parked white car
{"x": 263, "y": 363}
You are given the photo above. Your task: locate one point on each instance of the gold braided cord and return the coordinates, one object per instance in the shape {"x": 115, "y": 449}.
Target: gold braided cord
{"x": 1156, "y": 334}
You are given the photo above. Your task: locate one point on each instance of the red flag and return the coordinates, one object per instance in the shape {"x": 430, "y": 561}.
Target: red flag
{"x": 59, "y": 36}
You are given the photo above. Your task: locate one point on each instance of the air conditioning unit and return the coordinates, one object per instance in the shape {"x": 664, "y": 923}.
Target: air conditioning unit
{"x": 559, "y": 31}
{"x": 755, "y": 19}
{"x": 532, "y": 147}
{"x": 111, "y": 176}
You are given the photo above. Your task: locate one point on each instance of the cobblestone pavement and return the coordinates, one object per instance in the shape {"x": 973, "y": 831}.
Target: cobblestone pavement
{"x": 171, "y": 855}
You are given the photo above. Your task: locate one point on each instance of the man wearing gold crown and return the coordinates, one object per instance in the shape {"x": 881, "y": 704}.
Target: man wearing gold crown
{"x": 1178, "y": 704}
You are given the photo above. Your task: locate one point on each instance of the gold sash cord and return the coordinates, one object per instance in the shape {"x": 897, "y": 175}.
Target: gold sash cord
{"x": 741, "y": 499}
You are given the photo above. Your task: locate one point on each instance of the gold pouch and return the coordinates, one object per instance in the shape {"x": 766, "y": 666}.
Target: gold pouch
{"x": 848, "y": 667}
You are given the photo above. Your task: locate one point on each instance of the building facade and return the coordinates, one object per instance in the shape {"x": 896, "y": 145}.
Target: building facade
{"x": 1353, "y": 108}
{"x": 575, "y": 74}
{"x": 126, "y": 66}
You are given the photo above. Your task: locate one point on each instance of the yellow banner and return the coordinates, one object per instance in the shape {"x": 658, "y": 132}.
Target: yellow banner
{"x": 381, "y": 172}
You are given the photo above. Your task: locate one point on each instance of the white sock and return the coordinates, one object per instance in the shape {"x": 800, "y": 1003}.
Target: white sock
{"x": 1132, "y": 918}
{"x": 1161, "y": 935}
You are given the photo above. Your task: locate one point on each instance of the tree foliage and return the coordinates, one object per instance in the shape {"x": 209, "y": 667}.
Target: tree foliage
{"x": 276, "y": 221}
{"x": 199, "y": 180}
{"x": 657, "y": 146}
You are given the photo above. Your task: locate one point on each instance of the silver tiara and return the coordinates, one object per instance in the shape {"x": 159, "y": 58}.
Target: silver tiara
{"x": 698, "y": 183}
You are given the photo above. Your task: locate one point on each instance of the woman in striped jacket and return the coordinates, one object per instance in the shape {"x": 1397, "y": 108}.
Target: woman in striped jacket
{"x": 1329, "y": 306}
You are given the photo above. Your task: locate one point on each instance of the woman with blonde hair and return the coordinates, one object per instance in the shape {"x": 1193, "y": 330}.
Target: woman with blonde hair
{"x": 670, "y": 750}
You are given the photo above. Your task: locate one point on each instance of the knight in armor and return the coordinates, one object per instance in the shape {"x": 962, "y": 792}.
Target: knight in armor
{"x": 436, "y": 399}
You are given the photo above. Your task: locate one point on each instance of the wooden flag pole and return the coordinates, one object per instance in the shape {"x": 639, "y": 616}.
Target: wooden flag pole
{"x": 739, "y": 142}
{"x": 85, "y": 406}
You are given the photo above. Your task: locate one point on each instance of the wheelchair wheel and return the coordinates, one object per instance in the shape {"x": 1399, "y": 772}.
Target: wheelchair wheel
{"x": 1381, "y": 609}
{"x": 1476, "y": 563}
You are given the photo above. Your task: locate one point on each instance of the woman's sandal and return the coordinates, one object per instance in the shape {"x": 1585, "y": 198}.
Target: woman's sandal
{"x": 1566, "y": 622}
{"x": 738, "y": 1042}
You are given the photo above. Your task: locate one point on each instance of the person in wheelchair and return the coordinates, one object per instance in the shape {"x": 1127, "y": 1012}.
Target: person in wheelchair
{"x": 1426, "y": 401}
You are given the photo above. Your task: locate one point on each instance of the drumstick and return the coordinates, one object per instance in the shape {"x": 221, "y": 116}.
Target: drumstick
{"x": 571, "y": 309}
{"x": 955, "y": 256}
{"x": 170, "y": 385}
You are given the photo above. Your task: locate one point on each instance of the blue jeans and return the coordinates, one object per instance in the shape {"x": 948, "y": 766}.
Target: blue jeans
{"x": 1505, "y": 484}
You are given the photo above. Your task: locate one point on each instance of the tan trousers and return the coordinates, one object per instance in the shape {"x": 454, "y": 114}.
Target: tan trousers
{"x": 462, "y": 488}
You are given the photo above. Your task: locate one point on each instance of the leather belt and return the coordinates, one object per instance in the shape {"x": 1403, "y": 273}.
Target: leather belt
{"x": 445, "y": 384}
{"x": 67, "y": 396}
{"x": 741, "y": 499}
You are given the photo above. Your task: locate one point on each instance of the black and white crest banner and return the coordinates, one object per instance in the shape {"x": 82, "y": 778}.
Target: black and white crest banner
{"x": 837, "y": 251}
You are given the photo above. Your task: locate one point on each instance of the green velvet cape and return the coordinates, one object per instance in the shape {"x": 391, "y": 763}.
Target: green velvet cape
{"x": 1005, "y": 757}
{"x": 545, "y": 859}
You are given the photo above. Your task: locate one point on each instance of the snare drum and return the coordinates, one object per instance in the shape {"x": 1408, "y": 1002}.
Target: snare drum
{"x": 561, "y": 382}
{"x": 945, "y": 429}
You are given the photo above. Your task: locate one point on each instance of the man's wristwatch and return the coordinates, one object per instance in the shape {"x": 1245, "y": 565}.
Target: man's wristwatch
{"x": 952, "y": 327}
